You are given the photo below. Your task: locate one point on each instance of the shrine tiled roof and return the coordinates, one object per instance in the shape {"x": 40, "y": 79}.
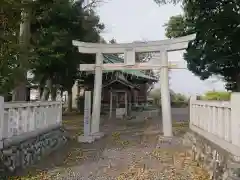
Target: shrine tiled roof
{"x": 115, "y": 59}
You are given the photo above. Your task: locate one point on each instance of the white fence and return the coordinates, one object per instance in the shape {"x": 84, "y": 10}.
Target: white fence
{"x": 218, "y": 121}
{"x": 22, "y": 118}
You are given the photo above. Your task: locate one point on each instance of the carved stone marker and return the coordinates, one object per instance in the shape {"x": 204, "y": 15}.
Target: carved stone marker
{"x": 87, "y": 137}
{"x": 87, "y": 113}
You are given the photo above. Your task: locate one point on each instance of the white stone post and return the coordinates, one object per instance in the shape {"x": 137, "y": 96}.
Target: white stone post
{"x": 192, "y": 110}
{"x": 74, "y": 94}
{"x": 87, "y": 137}
{"x": 165, "y": 95}
{"x": 87, "y": 113}
{"x": 97, "y": 96}
{"x": 1, "y": 121}
{"x": 235, "y": 114}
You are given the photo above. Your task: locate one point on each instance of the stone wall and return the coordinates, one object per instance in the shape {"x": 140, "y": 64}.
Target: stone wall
{"x": 23, "y": 151}
{"x": 220, "y": 164}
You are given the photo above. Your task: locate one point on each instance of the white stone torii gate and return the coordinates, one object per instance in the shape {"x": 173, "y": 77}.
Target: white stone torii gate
{"x": 129, "y": 50}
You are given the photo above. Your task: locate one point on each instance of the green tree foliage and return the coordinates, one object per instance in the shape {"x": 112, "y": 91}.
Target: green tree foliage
{"x": 215, "y": 51}
{"x": 216, "y": 95}
{"x": 177, "y": 99}
{"x": 58, "y": 61}
{"x": 53, "y": 32}
{"x": 54, "y": 24}
{"x": 9, "y": 49}
{"x": 177, "y": 26}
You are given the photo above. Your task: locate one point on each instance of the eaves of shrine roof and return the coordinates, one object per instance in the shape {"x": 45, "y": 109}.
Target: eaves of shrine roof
{"x": 121, "y": 81}
{"x": 108, "y": 58}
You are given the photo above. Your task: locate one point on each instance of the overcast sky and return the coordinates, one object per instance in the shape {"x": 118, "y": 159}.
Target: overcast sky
{"x": 132, "y": 20}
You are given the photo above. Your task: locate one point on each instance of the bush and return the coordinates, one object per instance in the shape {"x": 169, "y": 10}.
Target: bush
{"x": 177, "y": 99}
{"x": 214, "y": 95}
{"x": 179, "y": 104}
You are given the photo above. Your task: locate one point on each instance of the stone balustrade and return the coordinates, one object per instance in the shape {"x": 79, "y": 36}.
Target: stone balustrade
{"x": 218, "y": 121}
{"x": 28, "y": 131}
{"x": 20, "y": 118}
{"x": 215, "y": 136}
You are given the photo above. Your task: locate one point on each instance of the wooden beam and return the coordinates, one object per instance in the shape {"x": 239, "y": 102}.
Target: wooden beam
{"x": 137, "y": 66}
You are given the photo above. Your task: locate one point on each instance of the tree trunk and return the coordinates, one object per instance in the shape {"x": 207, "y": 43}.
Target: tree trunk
{"x": 238, "y": 86}
{"x": 40, "y": 91}
{"x": 238, "y": 83}
{"x": 20, "y": 91}
{"x": 54, "y": 93}
{"x": 61, "y": 94}
{"x": 28, "y": 94}
{"x": 41, "y": 88}
{"x": 69, "y": 100}
{"x": 46, "y": 91}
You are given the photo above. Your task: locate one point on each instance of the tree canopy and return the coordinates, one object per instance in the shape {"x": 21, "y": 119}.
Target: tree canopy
{"x": 51, "y": 57}
{"x": 215, "y": 51}
{"x": 9, "y": 28}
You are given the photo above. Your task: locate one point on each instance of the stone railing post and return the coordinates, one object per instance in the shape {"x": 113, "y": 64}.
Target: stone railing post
{"x": 235, "y": 118}
{"x": 191, "y": 109}
{"x": 1, "y": 121}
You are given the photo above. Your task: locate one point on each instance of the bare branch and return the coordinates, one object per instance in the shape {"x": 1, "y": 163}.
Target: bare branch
{"x": 162, "y": 2}
{"x": 91, "y": 4}
{"x": 150, "y": 88}
{"x": 143, "y": 56}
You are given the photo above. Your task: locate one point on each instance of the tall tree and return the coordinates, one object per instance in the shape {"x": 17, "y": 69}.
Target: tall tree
{"x": 54, "y": 25}
{"x": 15, "y": 46}
{"x": 9, "y": 28}
{"x": 57, "y": 62}
{"x": 215, "y": 51}
{"x": 20, "y": 80}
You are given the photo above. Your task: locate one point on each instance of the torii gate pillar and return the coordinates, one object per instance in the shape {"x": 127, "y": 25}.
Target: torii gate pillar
{"x": 97, "y": 96}
{"x": 165, "y": 96}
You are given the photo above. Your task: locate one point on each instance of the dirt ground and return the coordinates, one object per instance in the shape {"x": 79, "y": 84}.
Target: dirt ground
{"x": 129, "y": 151}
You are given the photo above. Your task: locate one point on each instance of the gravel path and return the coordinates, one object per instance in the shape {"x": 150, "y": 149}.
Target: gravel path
{"x": 129, "y": 151}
